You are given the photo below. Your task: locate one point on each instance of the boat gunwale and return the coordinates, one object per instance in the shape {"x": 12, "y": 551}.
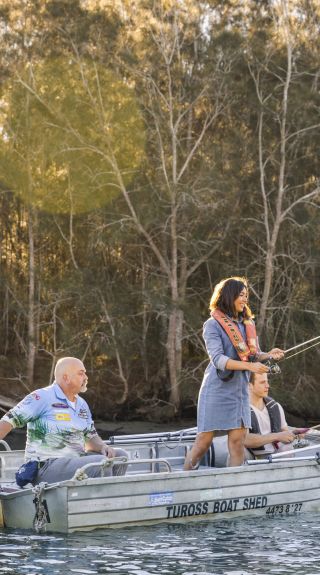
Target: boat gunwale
{"x": 163, "y": 475}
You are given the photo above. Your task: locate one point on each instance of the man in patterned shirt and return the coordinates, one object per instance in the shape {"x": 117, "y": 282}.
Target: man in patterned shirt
{"x": 60, "y": 429}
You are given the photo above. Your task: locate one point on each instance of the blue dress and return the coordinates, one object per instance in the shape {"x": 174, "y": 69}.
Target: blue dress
{"x": 222, "y": 405}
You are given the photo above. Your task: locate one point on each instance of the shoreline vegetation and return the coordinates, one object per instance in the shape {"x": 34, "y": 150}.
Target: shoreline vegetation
{"x": 145, "y": 154}
{"x": 17, "y": 437}
{"x": 107, "y": 428}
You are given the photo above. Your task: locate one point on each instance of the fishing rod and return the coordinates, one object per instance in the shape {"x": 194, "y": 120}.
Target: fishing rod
{"x": 303, "y": 343}
{"x": 274, "y": 367}
{"x": 149, "y": 437}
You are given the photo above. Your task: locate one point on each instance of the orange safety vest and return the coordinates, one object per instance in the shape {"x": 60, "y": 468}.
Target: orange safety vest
{"x": 244, "y": 350}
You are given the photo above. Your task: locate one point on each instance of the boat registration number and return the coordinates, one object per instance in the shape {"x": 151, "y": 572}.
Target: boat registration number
{"x": 283, "y": 509}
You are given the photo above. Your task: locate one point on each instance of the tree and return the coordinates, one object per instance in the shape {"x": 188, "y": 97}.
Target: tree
{"x": 279, "y": 79}
{"x": 145, "y": 154}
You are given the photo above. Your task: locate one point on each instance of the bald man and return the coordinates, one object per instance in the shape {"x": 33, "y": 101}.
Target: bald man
{"x": 60, "y": 429}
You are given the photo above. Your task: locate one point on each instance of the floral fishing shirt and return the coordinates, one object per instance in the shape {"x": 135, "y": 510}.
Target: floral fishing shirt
{"x": 55, "y": 426}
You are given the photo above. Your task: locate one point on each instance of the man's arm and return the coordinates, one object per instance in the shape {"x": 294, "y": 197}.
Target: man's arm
{"x": 95, "y": 443}
{"x": 255, "y": 440}
{"x": 5, "y": 428}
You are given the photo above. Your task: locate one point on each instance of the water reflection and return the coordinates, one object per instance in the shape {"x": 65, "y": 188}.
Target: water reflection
{"x": 280, "y": 546}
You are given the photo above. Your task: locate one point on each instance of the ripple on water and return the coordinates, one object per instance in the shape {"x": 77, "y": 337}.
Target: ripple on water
{"x": 253, "y": 546}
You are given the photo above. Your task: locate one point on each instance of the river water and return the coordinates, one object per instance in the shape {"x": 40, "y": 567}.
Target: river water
{"x": 277, "y": 546}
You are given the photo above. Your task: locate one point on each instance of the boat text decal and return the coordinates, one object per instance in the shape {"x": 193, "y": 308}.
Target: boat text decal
{"x": 188, "y": 509}
{"x": 283, "y": 509}
{"x": 220, "y": 506}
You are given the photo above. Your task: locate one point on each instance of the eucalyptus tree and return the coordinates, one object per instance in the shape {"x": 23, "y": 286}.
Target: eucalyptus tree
{"x": 284, "y": 83}
{"x": 152, "y": 148}
{"x": 48, "y": 111}
{"x": 139, "y": 133}
{"x": 22, "y": 36}
{"x": 276, "y": 130}
{"x": 182, "y": 90}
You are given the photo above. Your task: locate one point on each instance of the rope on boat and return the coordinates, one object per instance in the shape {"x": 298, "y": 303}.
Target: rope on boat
{"x": 80, "y": 473}
{"x": 178, "y": 442}
{"x": 41, "y": 517}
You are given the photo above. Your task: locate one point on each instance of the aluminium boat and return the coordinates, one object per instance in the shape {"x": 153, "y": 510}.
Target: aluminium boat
{"x": 156, "y": 489}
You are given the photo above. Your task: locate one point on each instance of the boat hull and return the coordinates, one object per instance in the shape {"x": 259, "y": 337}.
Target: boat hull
{"x": 281, "y": 488}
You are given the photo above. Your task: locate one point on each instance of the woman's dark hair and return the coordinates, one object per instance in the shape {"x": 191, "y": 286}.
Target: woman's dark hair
{"x": 226, "y": 292}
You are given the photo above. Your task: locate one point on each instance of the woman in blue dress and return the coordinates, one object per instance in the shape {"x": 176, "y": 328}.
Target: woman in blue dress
{"x": 232, "y": 346}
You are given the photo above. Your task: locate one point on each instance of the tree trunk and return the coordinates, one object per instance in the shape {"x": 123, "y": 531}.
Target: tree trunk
{"x": 174, "y": 355}
{"x": 31, "y": 307}
{"x": 268, "y": 276}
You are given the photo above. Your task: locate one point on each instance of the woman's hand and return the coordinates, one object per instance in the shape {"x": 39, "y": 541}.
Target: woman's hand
{"x": 276, "y": 353}
{"x": 257, "y": 367}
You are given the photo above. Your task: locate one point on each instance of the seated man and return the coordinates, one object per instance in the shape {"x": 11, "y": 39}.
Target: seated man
{"x": 60, "y": 428}
{"x": 269, "y": 431}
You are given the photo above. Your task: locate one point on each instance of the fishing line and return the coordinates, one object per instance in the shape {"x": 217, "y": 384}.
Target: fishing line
{"x": 301, "y": 350}
{"x": 303, "y": 343}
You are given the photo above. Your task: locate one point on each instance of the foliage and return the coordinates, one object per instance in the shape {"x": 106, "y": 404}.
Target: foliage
{"x": 147, "y": 150}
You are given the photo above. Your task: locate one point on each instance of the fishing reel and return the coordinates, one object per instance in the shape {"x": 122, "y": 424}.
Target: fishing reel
{"x": 274, "y": 368}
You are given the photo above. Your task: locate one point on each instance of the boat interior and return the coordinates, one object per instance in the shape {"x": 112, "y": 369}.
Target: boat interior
{"x": 164, "y": 452}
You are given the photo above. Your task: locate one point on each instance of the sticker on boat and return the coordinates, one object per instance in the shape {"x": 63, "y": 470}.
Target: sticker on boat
{"x": 161, "y": 498}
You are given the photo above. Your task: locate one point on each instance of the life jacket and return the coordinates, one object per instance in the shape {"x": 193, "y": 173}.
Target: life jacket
{"x": 274, "y": 414}
{"x": 244, "y": 350}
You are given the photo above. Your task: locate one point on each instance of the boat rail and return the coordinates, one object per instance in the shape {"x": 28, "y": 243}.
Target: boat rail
{"x": 183, "y": 433}
{"x": 80, "y": 473}
{"x": 155, "y": 463}
{"x": 281, "y": 454}
{"x": 291, "y": 459}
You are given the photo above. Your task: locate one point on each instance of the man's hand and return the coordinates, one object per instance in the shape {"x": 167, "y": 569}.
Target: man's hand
{"x": 108, "y": 451}
{"x": 98, "y": 445}
{"x": 300, "y": 432}
{"x": 285, "y": 436}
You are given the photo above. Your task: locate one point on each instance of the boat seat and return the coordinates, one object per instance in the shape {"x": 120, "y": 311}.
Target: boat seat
{"x": 260, "y": 453}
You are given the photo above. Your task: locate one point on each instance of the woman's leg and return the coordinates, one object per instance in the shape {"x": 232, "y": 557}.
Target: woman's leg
{"x": 236, "y": 439}
{"x": 199, "y": 448}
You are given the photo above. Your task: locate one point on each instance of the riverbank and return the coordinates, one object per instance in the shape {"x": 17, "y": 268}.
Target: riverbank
{"x": 17, "y": 438}
{"x": 109, "y": 428}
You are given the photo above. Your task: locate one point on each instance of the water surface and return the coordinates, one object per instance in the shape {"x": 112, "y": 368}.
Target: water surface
{"x": 278, "y": 546}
